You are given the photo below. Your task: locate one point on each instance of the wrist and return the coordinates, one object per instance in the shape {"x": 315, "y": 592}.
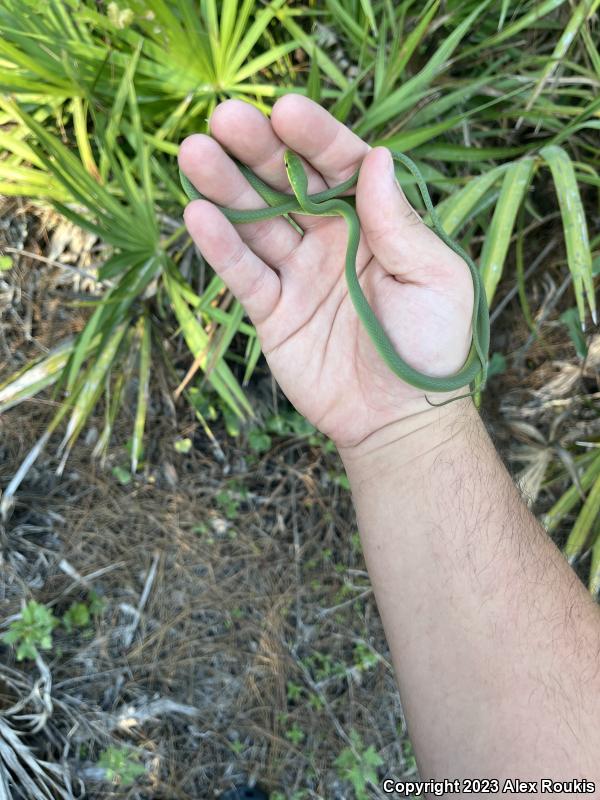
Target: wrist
{"x": 404, "y": 442}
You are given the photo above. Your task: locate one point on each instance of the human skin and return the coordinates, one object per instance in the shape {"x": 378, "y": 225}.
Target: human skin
{"x": 494, "y": 640}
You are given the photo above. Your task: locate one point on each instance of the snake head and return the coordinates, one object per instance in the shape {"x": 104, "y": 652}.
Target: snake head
{"x": 296, "y": 174}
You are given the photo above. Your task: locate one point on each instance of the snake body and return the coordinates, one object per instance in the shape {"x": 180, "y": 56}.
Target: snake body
{"x": 330, "y": 203}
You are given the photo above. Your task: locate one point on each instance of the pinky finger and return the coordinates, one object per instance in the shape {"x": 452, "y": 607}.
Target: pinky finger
{"x": 253, "y": 282}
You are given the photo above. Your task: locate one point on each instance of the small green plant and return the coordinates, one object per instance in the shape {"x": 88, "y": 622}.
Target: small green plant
{"x": 258, "y": 440}
{"x": 295, "y": 734}
{"x": 32, "y": 630}
{"x": 76, "y": 616}
{"x": 122, "y": 474}
{"x": 120, "y": 766}
{"x": 410, "y": 762}
{"x": 289, "y": 423}
{"x": 341, "y": 480}
{"x": 359, "y": 765}
{"x": 570, "y": 318}
{"x": 96, "y": 604}
{"x": 364, "y": 657}
{"x": 228, "y": 504}
{"x": 497, "y": 365}
{"x": 321, "y": 665}
{"x": 182, "y": 446}
{"x": 294, "y": 691}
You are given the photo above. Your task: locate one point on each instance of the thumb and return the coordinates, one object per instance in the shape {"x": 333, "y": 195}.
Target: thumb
{"x": 395, "y": 233}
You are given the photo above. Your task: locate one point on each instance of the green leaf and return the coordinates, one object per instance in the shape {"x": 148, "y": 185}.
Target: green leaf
{"x": 493, "y": 255}
{"x": 220, "y": 376}
{"x": 416, "y": 87}
{"x": 76, "y": 616}
{"x": 565, "y": 504}
{"x": 538, "y": 11}
{"x": 31, "y": 630}
{"x": 259, "y": 441}
{"x": 579, "y": 256}
{"x": 142, "y": 393}
{"x": 570, "y": 317}
{"x": 497, "y": 365}
{"x": 183, "y": 445}
{"x": 313, "y": 85}
{"x": 455, "y": 210}
{"x": 122, "y": 475}
{"x": 410, "y": 44}
{"x": 6, "y": 263}
{"x": 87, "y": 395}
{"x": 120, "y": 765}
{"x": 584, "y": 10}
{"x": 583, "y": 524}
{"x": 594, "y": 580}
{"x": 367, "y": 8}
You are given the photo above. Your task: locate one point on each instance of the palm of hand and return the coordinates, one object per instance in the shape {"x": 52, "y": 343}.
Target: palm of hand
{"x": 324, "y": 360}
{"x": 316, "y": 346}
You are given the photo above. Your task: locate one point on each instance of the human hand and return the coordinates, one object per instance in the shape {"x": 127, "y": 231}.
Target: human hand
{"x": 293, "y": 285}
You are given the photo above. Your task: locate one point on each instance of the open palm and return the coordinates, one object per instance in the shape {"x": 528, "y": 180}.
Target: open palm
{"x": 292, "y": 285}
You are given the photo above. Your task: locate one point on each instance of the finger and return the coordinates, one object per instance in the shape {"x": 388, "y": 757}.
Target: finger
{"x": 248, "y": 135}
{"x": 395, "y": 233}
{"x": 330, "y": 147}
{"x": 213, "y": 173}
{"x": 255, "y": 284}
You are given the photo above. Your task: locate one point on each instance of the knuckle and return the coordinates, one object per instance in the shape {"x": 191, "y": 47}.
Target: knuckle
{"x": 235, "y": 259}
{"x": 254, "y": 286}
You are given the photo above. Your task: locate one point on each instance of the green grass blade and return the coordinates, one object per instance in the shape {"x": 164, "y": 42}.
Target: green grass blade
{"x": 367, "y": 8}
{"x": 220, "y": 376}
{"x": 538, "y": 12}
{"x": 91, "y": 386}
{"x": 113, "y": 404}
{"x": 253, "y": 34}
{"x": 144, "y": 334}
{"x": 454, "y": 210}
{"x": 493, "y": 255}
{"x": 583, "y": 11}
{"x": 565, "y": 504}
{"x": 32, "y": 378}
{"x": 520, "y": 265}
{"x": 407, "y": 94}
{"x": 313, "y": 85}
{"x": 588, "y": 515}
{"x": 111, "y": 310}
{"x": 329, "y": 68}
{"x": 579, "y": 256}
{"x": 409, "y": 45}
{"x": 253, "y": 352}
{"x": 264, "y": 60}
{"x": 594, "y": 580}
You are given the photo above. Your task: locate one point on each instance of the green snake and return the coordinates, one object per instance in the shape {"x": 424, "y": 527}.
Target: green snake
{"x": 329, "y": 203}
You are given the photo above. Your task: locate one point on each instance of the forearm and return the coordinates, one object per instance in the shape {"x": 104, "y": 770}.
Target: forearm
{"x": 494, "y": 640}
